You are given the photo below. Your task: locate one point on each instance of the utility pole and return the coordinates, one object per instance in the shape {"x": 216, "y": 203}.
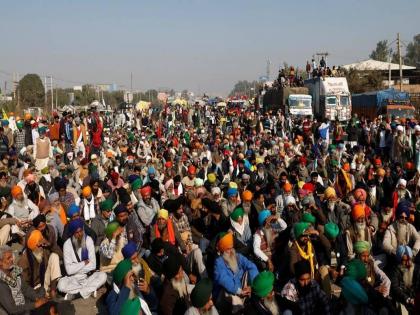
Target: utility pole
{"x": 52, "y": 94}
{"x": 131, "y": 82}
{"x": 268, "y": 69}
{"x": 45, "y": 91}
{"x": 400, "y": 58}
{"x": 56, "y": 97}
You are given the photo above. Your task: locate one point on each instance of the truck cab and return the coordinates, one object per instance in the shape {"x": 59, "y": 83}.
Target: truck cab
{"x": 299, "y": 105}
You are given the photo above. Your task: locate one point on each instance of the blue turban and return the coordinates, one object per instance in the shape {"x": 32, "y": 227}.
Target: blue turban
{"x": 5, "y": 122}
{"x": 72, "y": 210}
{"x": 132, "y": 178}
{"x": 263, "y": 215}
{"x": 74, "y": 225}
{"x": 232, "y": 192}
{"x": 120, "y": 208}
{"x": 129, "y": 250}
{"x": 403, "y": 250}
{"x": 151, "y": 170}
{"x": 403, "y": 207}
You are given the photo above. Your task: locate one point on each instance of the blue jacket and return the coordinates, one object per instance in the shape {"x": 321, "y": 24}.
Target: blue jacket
{"x": 232, "y": 282}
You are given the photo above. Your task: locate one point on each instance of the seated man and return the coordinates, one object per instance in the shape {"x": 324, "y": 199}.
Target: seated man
{"x": 263, "y": 299}
{"x": 175, "y": 297}
{"x": 22, "y": 209}
{"x": 166, "y": 229}
{"x": 304, "y": 293}
{"x": 232, "y": 275}
{"x": 110, "y": 249}
{"x": 125, "y": 286}
{"x": 40, "y": 265}
{"x": 80, "y": 264}
{"x": 16, "y": 297}
{"x": 201, "y": 299}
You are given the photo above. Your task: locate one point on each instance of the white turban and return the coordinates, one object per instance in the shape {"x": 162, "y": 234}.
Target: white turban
{"x": 400, "y": 128}
{"x": 290, "y": 200}
{"x": 216, "y": 191}
{"x": 402, "y": 182}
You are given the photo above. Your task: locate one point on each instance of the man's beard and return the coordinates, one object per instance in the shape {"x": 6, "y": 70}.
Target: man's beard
{"x": 386, "y": 217}
{"x": 402, "y": 230}
{"x": 161, "y": 226}
{"x": 303, "y": 290}
{"x": 20, "y": 202}
{"x": 247, "y": 207}
{"x": 268, "y": 233}
{"x": 407, "y": 275}
{"x": 38, "y": 254}
{"x": 271, "y": 304}
{"x": 331, "y": 205}
{"x": 360, "y": 227}
{"x": 179, "y": 286}
{"x": 136, "y": 269}
{"x": 230, "y": 259}
{"x": 206, "y": 312}
{"x": 77, "y": 243}
{"x": 401, "y": 193}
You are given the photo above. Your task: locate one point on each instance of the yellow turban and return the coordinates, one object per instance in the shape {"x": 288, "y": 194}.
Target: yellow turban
{"x": 329, "y": 193}
{"x": 211, "y": 178}
{"x": 34, "y": 239}
{"x": 163, "y": 214}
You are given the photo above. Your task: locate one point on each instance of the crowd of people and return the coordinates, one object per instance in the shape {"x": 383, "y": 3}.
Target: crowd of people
{"x": 172, "y": 212}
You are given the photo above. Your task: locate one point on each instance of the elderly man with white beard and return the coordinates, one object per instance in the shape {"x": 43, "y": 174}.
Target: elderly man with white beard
{"x": 358, "y": 231}
{"x": 175, "y": 298}
{"x": 80, "y": 263}
{"x": 263, "y": 300}
{"x": 403, "y": 280}
{"x": 401, "y": 232}
{"x": 233, "y": 274}
{"x": 40, "y": 265}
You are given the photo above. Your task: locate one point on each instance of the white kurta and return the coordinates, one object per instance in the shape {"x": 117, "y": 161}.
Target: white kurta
{"x": 77, "y": 280}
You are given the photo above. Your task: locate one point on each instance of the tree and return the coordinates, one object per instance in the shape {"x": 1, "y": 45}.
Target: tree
{"x": 31, "y": 91}
{"x": 412, "y": 56}
{"x": 381, "y": 52}
{"x": 243, "y": 88}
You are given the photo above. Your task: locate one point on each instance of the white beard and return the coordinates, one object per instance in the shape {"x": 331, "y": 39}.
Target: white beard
{"x": 179, "y": 286}
{"x": 231, "y": 261}
{"x": 272, "y": 306}
{"x": 386, "y": 217}
{"x": 38, "y": 254}
{"x": 136, "y": 269}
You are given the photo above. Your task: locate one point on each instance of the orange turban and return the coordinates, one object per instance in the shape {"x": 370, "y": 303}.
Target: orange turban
{"x": 360, "y": 194}
{"x": 287, "y": 187}
{"x": 16, "y": 190}
{"x": 346, "y": 167}
{"x": 86, "y": 191}
{"x": 225, "y": 242}
{"x": 358, "y": 211}
{"x": 380, "y": 172}
{"x": 34, "y": 239}
{"x": 247, "y": 196}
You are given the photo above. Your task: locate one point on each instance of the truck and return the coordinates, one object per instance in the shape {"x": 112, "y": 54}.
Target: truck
{"x": 293, "y": 101}
{"x": 388, "y": 103}
{"x": 330, "y": 97}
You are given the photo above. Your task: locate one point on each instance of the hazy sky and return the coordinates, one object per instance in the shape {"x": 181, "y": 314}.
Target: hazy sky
{"x": 201, "y": 45}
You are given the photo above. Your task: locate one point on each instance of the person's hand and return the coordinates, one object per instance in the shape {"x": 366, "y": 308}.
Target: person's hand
{"x": 246, "y": 292}
{"x": 381, "y": 289}
{"x": 270, "y": 265}
{"x": 144, "y": 286}
{"x": 117, "y": 232}
{"x": 86, "y": 261}
{"x": 41, "y": 301}
{"x": 193, "y": 279}
{"x": 128, "y": 279}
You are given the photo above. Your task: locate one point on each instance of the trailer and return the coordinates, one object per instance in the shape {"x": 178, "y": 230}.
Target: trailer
{"x": 387, "y": 103}
{"x": 331, "y": 97}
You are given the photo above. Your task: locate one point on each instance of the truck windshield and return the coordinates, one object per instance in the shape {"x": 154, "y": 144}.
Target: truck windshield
{"x": 401, "y": 112}
{"x": 344, "y": 101}
{"x": 299, "y": 103}
{"x": 331, "y": 100}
